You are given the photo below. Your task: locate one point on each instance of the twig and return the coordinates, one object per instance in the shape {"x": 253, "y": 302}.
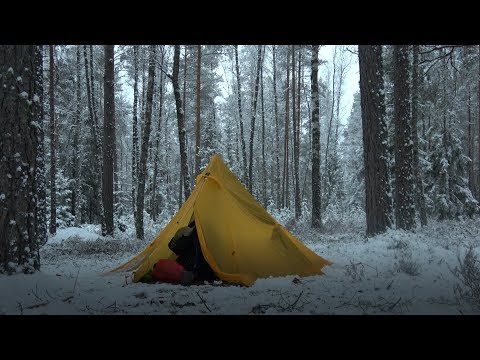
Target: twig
{"x": 395, "y": 304}
{"x": 389, "y": 285}
{"x": 75, "y": 284}
{"x": 374, "y": 268}
{"x": 36, "y": 291}
{"x": 203, "y": 301}
{"x": 46, "y": 291}
{"x": 346, "y": 302}
{"x": 19, "y": 305}
{"x": 292, "y": 306}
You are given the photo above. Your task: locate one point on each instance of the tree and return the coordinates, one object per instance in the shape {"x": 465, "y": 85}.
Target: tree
{"x": 377, "y": 206}
{"x": 76, "y": 140}
{"x": 419, "y": 194}
{"x": 197, "y": 128}
{"x": 316, "y": 177}
{"x": 97, "y": 160}
{"x": 296, "y": 148}
{"x": 181, "y": 122}
{"x": 53, "y": 172}
{"x": 239, "y": 100}
{"x": 254, "y": 113}
{"x": 135, "y": 130}
{"x": 404, "y": 180}
{"x": 264, "y": 169}
{"x": 109, "y": 149}
{"x": 285, "y": 194}
{"x": 478, "y": 126}
{"x": 352, "y": 155}
{"x": 22, "y": 184}
{"x": 277, "y": 125}
{"x": 157, "y": 141}
{"x": 147, "y": 121}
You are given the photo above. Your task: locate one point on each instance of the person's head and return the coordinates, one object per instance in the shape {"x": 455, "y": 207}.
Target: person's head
{"x": 183, "y": 231}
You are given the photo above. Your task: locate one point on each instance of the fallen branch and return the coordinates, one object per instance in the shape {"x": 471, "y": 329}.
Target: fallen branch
{"x": 37, "y": 305}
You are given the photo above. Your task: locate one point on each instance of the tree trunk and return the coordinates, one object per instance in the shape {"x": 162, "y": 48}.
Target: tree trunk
{"x": 197, "y": 128}
{"x": 135, "y": 131}
{"x": 109, "y": 151}
{"x": 316, "y": 179}
{"x": 277, "y": 134}
{"x": 296, "y": 136}
{"x": 53, "y": 147}
{"x": 478, "y": 126}
{"x": 76, "y": 155}
{"x": 264, "y": 169}
{"x": 331, "y": 118}
{"x": 239, "y": 100}
{"x": 142, "y": 170}
{"x": 97, "y": 162}
{"x": 185, "y": 101}
{"x": 375, "y": 152}
{"x": 181, "y": 123}
{"x": 92, "y": 84}
{"x": 254, "y": 113}
{"x": 285, "y": 194}
{"x": 419, "y": 193}
{"x": 21, "y": 164}
{"x": 157, "y": 144}
{"x": 471, "y": 177}
{"x": 144, "y": 90}
{"x": 40, "y": 213}
{"x": 404, "y": 204}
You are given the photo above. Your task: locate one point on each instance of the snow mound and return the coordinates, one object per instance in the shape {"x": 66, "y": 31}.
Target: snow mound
{"x": 72, "y": 233}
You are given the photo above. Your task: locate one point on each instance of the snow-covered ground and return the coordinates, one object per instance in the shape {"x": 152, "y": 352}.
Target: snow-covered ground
{"x": 393, "y": 273}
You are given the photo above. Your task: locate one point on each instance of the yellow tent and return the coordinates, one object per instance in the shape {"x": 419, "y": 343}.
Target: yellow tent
{"x": 239, "y": 239}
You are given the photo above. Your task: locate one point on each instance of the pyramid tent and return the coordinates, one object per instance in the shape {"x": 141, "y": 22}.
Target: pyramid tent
{"x": 239, "y": 239}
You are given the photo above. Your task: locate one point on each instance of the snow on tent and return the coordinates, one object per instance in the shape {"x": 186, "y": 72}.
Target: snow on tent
{"x": 239, "y": 239}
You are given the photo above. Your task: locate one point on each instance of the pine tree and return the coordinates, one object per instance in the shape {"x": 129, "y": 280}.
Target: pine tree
{"x": 404, "y": 179}
{"x": 22, "y": 218}
{"x": 374, "y": 138}
{"x": 109, "y": 149}
{"x": 316, "y": 178}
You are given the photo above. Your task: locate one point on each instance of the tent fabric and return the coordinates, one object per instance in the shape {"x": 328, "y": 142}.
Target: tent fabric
{"x": 239, "y": 239}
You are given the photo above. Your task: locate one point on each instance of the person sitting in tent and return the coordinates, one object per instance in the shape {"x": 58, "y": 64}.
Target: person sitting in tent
{"x": 186, "y": 245}
{"x": 190, "y": 264}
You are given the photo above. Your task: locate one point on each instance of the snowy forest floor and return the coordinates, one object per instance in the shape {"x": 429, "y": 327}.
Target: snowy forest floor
{"x": 394, "y": 273}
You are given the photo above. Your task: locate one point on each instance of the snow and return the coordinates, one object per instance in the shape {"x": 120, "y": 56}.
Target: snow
{"x": 24, "y": 95}
{"x": 79, "y": 234}
{"x": 396, "y": 272}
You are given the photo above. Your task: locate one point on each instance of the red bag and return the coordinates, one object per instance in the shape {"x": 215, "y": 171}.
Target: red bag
{"x": 168, "y": 271}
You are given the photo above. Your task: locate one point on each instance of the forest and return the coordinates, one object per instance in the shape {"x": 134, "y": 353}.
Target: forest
{"x": 354, "y": 147}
